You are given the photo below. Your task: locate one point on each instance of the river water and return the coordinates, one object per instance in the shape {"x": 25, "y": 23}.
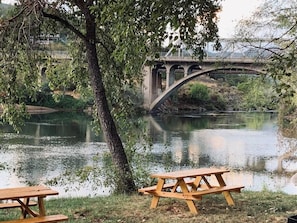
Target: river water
{"x": 249, "y": 144}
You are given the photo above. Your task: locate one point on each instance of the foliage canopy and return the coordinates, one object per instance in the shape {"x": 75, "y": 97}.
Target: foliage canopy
{"x": 108, "y": 43}
{"x": 274, "y": 25}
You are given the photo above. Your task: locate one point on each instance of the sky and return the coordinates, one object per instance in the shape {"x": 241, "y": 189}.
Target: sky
{"x": 232, "y": 12}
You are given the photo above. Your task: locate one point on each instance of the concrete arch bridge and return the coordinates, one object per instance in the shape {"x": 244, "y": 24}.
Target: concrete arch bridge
{"x": 155, "y": 94}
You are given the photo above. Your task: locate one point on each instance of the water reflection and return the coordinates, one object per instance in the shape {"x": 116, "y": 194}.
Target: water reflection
{"x": 249, "y": 144}
{"x": 48, "y": 145}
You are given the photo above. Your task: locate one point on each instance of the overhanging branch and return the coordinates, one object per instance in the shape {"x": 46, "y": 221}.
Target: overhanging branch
{"x": 65, "y": 23}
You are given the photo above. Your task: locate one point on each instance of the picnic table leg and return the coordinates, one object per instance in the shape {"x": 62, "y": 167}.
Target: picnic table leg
{"x": 156, "y": 198}
{"x": 24, "y": 212}
{"x": 41, "y": 206}
{"x": 26, "y": 209}
{"x": 185, "y": 190}
{"x": 229, "y": 198}
{"x": 196, "y": 184}
{"x": 227, "y": 194}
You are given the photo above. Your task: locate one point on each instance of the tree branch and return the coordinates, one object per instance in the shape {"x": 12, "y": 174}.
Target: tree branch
{"x": 4, "y": 23}
{"x": 65, "y": 23}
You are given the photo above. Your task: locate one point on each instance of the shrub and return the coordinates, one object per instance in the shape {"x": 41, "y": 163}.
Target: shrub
{"x": 218, "y": 102}
{"x": 58, "y": 101}
{"x": 67, "y": 102}
{"x": 199, "y": 92}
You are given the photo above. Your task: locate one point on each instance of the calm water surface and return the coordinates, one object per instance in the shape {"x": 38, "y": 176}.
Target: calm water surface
{"x": 249, "y": 144}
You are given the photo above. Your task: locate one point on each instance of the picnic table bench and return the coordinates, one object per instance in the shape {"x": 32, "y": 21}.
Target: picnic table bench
{"x": 190, "y": 185}
{"x": 15, "y": 204}
{"x": 20, "y": 198}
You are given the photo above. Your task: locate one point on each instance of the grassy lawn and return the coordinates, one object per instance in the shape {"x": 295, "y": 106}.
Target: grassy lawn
{"x": 250, "y": 207}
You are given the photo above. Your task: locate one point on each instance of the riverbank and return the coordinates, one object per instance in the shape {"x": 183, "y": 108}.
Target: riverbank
{"x": 253, "y": 207}
{"x": 37, "y": 109}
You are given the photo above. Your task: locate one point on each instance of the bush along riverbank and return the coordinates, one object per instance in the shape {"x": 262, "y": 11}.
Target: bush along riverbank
{"x": 254, "y": 207}
{"x": 206, "y": 93}
{"x": 231, "y": 93}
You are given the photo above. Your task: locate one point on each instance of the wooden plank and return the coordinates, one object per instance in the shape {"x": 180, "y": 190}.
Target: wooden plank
{"x": 185, "y": 191}
{"x": 41, "y": 206}
{"x": 220, "y": 180}
{"x": 192, "y": 194}
{"x": 190, "y": 173}
{"x": 151, "y": 188}
{"x": 175, "y": 195}
{"x": 43, "y": 219}
{"x": 15, "y": 204}
{"x": 25, "y": 192}
{"x": 215, "y": 190}
{"x": 26, "y": 210}
{"x": 228, "y": 198}
{"x": 146, "y": 190}
{"x": 159, "y": 187}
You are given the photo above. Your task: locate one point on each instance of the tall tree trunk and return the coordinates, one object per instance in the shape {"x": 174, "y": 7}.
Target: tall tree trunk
{"x": 125, "y": 182}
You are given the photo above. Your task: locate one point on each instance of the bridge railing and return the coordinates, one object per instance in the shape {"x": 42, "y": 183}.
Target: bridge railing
{"x": 260, "y": 49}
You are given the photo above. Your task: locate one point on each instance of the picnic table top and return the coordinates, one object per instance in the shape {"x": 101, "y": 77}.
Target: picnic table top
{"x": 26, "y": 192}
{"x": 189, "y": 173}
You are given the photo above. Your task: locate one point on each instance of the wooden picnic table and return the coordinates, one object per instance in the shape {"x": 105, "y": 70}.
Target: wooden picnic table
{"x": 190, "y": 185}
{"x": 20, "y": 197}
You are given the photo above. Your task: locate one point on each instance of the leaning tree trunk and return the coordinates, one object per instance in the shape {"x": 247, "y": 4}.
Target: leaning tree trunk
{"x": 125, "y": 181}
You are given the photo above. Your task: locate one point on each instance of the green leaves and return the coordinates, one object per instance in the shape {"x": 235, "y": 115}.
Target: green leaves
{"x": 14, "y": 115}
{"x": 199, "y": 92}
{"x": 275, "y": 24}
{"x": 19, "y": 73}
{"x": 127, "y": 32}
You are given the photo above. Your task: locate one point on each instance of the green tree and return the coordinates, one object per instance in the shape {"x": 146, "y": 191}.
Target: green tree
{"x": 113, "y": 39}
{"x": 258, "y": 94}
{"x": 274, "y": 27}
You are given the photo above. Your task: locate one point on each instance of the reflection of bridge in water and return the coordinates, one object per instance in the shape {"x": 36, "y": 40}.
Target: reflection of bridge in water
{"x": 234, "y": 58}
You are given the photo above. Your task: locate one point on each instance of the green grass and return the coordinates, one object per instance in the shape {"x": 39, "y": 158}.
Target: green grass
{"x": 250, "y": 207}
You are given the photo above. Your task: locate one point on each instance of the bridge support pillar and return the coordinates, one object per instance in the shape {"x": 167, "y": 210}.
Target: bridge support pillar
{"x": 146, "y": 86}
{"x": 169, "y": 75}
{"x": 187, "y": 70}
{"x": 152, "y": 85}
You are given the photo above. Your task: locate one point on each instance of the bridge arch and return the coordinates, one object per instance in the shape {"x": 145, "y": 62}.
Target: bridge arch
{"x": 234, "y": 70}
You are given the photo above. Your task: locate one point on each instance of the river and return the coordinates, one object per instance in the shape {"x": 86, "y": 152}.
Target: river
{"x": 249, "y": 144}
